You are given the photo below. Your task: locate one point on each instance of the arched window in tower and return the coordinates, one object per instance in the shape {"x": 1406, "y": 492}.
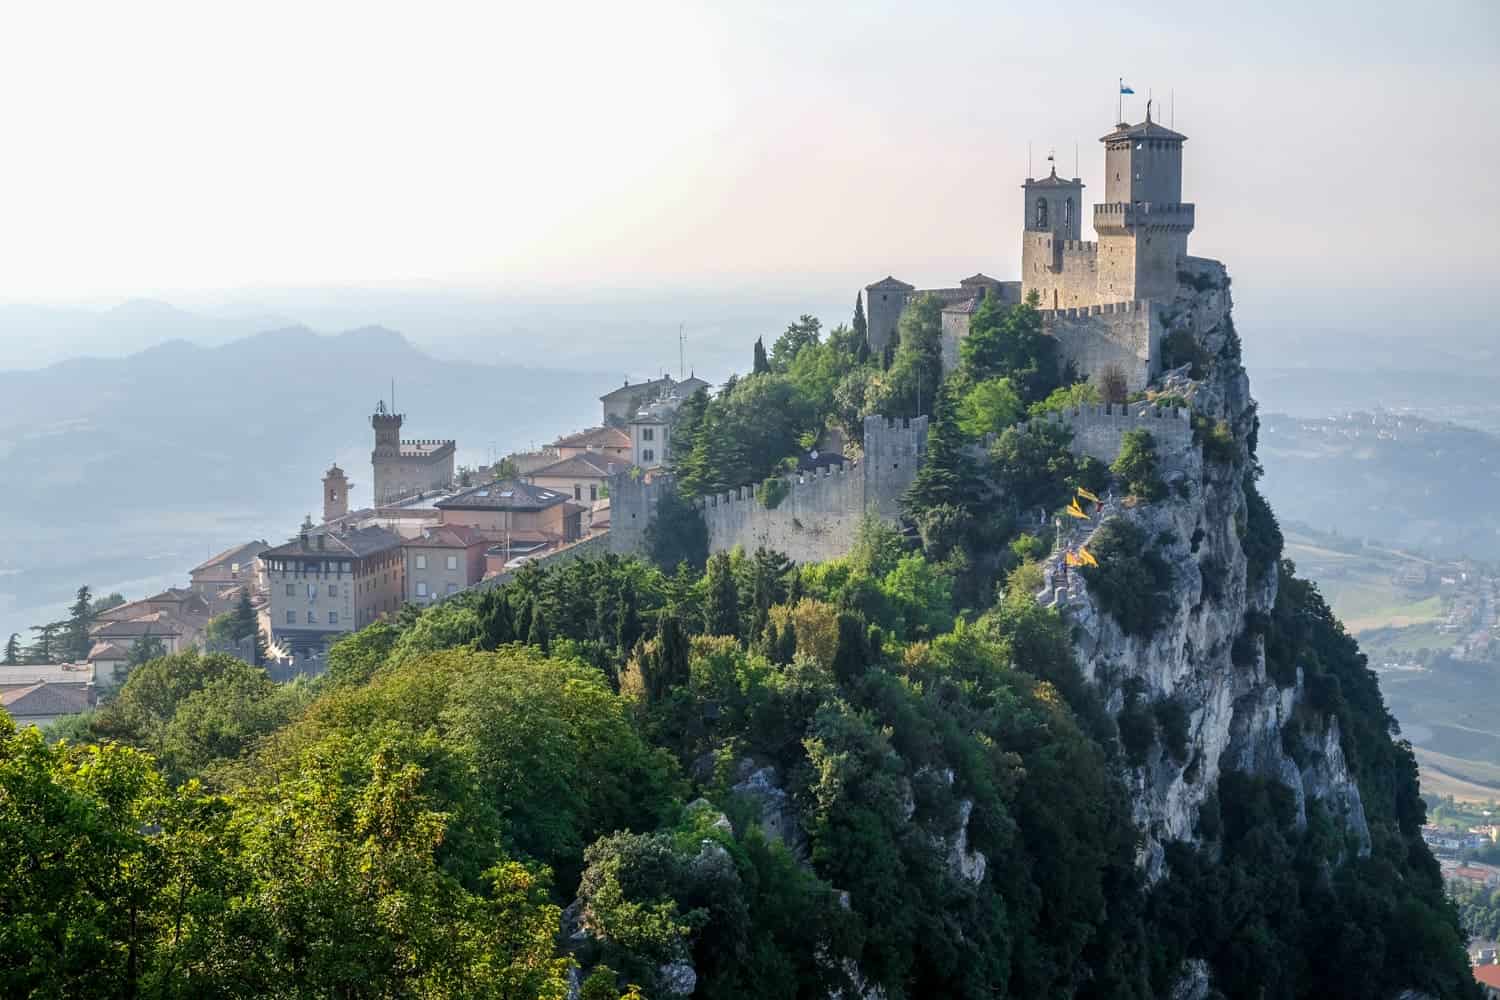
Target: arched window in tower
{"x": 1068, "y": 213}
{"x": 1041, "y": 213}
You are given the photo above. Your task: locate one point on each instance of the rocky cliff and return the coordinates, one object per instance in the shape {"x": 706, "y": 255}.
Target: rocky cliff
{"x": 1202, "y": 658}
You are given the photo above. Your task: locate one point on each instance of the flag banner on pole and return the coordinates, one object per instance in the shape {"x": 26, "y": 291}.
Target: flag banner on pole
{"x": 1124, "y": 89}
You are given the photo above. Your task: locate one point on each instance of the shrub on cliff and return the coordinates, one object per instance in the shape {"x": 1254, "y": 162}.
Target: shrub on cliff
{"x": 1132, "y": 582}
{"x": 1137, "y": 468}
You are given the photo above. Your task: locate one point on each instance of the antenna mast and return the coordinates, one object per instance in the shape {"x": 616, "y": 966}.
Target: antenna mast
{"x": 393, "y": 395}
{"x": 681, "y": 351}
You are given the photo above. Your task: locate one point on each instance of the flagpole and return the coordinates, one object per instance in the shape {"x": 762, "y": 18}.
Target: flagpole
{"x": 1120, "y": 100}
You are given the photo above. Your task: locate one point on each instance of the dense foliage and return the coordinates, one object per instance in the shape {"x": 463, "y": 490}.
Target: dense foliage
{"x": 729, "y": 775}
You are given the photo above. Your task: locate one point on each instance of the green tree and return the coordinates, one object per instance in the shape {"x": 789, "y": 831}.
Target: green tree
{"x": 909, "y": 386}
{"x": 245, "y": 623}
{"x": 989, "y": 408}
{"x": 677, "y": 536}
{"x": 1008, "y": 341}
{"x": 761, "y": 365}
{"x": 798, "y": 336}
{"x": 861, "y": 326}
{"x": 145, "y": 649}
{"x": 80, "y": 620}
{"x": 947, "y": 473}
{"x": 46, "y": 648}
{"x": 1068, "y": 397}
{"x": 13, "y": 649}
{"x": 721, "y": 604}
{"x": 1136, "y": 466}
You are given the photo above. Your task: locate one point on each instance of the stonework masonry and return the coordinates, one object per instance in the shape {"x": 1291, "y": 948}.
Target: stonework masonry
{"x": 1099, "y": 430}
{"x": 1122, "y": 335}
{"x": 819, "y": 517}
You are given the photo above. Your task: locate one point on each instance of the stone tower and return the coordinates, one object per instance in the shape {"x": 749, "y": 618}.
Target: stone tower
{"x": 1053, "y": 261}
{"x": 335, "y": 493}
{"x": 1142, "y": 223}
{"x": 386, "y": 458}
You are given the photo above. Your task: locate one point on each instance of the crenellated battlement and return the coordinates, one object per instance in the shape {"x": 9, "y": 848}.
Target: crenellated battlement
{"x": 429, "y": 442}
{"x": 1099, "y": 429}
{"x": 1105, "y": 309}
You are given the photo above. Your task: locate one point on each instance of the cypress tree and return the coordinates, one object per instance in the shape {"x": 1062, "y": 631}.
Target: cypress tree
{"x": 538, "y": 636}
{"x": 852, "y": 655}
{"x": 721, "y": 606}
{"x": 13, "y": 650}
{"x": 628, "y": 629}
{"x": 786, "y": 646}
{"x": 80, "y": 620}
{"x": 861, "y": 328}
{"x": 762, "y": 364}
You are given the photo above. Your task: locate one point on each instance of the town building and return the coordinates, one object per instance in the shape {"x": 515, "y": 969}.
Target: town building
{"x": 405, "y": 468}
{"x": 1105, "y": 301}
{"x": 330, "y": 580}
{"x": 515, "y": 510}
{"x": 445, "y": 560}
{"x": 176, "y": 618}
{"x": 621, "y": 404}
{"x": 583, "y": 476}
{"x": 612, "y": 442}
{"x": 219, "y": 578}
{"x": 43, "y": 703}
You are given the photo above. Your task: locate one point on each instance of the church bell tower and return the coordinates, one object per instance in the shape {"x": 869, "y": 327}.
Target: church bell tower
{"x": 335, "y": 493}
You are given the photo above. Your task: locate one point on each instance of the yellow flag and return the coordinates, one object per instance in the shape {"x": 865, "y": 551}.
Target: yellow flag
{"x": 1087, "y": 495}
{"x": 1076, "y": 511}
{"x": 1087, "y": 558}
{"x": 1071, "y": 559}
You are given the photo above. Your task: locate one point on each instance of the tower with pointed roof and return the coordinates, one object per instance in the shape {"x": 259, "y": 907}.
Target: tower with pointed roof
{"x": 1143, "y": 224}
{"x": 1054, "y": 262}
{"x": 335, "y": 493}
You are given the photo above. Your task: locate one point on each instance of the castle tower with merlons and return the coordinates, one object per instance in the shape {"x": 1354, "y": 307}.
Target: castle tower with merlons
{"x": 1104, "y": 301}
{"x": 405, "y": 469}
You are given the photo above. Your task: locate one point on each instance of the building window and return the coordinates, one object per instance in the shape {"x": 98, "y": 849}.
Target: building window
{"x": 1041, "y": 213}
{"x": 333, "y": 617}
{"x": 291, "y": 590}
{"x": 648, "y": 455}
{"x": 593, "y": 491}
{"x": 1068, "y": 213}
{"x": 421, "y": 588}
{"x": 648, "y": 434}
{"x": 344, "y": 566}
{"x": 452, "y": 588}
{"x": 421, "y": 562}
{"x": 453, "y": 562}
{"x": 312, "y": 591}
{"x": 577, "y": 492}
{"x": 333, "y": 590}
{"x": 312, "y": 618}
{"x": 291, "y": 617}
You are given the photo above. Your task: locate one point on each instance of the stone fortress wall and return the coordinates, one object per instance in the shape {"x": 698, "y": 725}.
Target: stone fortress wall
{"x": 816, "y": 520}
{"x": 1123, "y": 335}
{"x": 1099, "y": 430}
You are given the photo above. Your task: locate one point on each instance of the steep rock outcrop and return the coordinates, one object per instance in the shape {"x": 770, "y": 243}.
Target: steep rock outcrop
{"x": 1199, "y": 656}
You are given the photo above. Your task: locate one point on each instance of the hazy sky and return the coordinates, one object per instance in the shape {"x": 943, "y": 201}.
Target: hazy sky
{"x": 157, "y": 148}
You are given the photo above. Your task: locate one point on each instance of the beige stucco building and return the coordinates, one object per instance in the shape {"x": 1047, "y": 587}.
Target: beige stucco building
{"x": 584, "y": 476}
{"x": 329, "y": 580}
{"x": 443, "y": 561}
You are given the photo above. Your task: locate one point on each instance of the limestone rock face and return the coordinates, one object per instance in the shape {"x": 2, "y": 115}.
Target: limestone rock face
{"x": 1236, "y": 713}
{"x": 778, "y": 816}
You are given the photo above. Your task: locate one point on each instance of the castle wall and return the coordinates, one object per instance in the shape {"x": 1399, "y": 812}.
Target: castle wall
{"x": 818, "y": 518}
{"x": 1064, "y": 273}
{"x": 1126, "y": 335}
{"x": 404, "y": 475}
{"x": 1099, "y": 430}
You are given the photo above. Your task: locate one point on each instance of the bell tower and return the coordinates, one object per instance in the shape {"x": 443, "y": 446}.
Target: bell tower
{"x": 1053, "y": 217}
{"x": 335, "y": 493}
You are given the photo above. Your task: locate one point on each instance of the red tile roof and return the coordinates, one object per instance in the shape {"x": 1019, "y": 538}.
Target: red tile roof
{"x": 1488, "y": 975}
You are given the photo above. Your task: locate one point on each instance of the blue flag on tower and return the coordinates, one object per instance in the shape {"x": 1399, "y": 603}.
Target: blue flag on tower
{"x": 1124, "y": 89}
